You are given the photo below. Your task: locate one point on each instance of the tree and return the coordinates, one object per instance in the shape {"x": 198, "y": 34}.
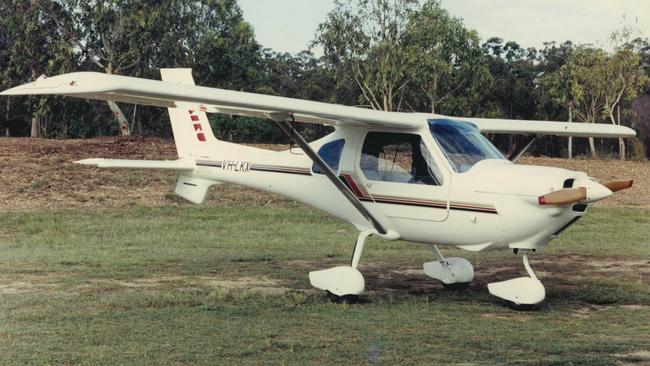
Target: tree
{"x": 35, "y": 48}
{"x": 4, "y": 63}
{"x": 110, "y": 34}
{"x": 137, "y": 37}
{"x": 588, "y": 65}
{"x": 446, "y": 65}
{"x": 514, "y": 71}
{"x": 623, "y": 78}
{"x": 364, "y": 38}
{"x": 556, "y": 82}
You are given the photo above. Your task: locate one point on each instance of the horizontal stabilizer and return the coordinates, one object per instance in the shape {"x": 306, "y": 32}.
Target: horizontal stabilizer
{"x": 180, "y": 164}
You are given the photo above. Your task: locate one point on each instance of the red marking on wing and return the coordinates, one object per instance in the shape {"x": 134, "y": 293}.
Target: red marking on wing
{"x": 197, "y": 127}
{"x": 201, "y": 137}
{"x": 194, "y": 117}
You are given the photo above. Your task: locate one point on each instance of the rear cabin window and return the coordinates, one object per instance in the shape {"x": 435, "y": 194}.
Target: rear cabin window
{"x": 398, "y": 157}
{"x": 331, "y": 153}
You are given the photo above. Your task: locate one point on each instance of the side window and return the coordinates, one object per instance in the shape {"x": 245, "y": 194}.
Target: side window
{"x": 331, "y": 153}
{"x": 398, "y": 157}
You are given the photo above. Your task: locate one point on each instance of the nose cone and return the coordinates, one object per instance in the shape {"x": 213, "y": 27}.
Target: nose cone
{"x": 595, "y": 190}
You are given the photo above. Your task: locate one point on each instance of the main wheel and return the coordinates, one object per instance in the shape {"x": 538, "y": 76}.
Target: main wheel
{"x": 458, "y": 286}
{"x": 523, "y": 307}
{"x": 345, "y": 299}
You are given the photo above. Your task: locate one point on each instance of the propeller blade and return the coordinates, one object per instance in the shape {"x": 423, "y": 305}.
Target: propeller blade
{"x": 619, "y": 185}
{"x": 563, "y": 196}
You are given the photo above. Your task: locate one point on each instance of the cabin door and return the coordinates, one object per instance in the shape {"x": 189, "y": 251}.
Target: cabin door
{"x": 400, "y": 175}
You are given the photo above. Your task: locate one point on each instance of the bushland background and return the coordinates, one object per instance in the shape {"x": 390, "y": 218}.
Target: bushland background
{"x": 403, "y": 55}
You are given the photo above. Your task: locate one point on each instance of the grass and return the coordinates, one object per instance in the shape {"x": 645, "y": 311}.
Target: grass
{"x": 228, "y": 285}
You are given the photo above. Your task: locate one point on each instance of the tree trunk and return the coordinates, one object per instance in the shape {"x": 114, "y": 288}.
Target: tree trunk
{"x": 592, "y": 147}
{"x": 621, "y": 148}
{"x": 621, "y": 141}
{"x": 36, "y": 128}
{"x": 36, "y": 121}
{"x": 7, "y": 116}
{"x": 570, "y": 146}
{"x": 121, "y": 118}
{"x": 122, "y": 122}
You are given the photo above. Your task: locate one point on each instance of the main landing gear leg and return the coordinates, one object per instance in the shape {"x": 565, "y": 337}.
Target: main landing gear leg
{"x": 343, "y": 283}
{"x": 455, "y": 273}
{"x": 522, "y": 290}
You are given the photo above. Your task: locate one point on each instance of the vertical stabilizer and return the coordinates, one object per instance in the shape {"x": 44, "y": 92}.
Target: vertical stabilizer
{"x": 191, "y": 128}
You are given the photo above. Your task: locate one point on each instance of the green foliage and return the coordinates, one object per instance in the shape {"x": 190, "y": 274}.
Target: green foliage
{"x": 403, "y": 55}
{"x": 446, "y": 64}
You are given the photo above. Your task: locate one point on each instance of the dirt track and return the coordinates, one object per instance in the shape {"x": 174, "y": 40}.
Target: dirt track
{"x": 39, "y": 173}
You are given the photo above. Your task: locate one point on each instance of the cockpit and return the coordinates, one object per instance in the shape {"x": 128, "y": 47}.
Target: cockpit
{"x": 462, "y": 143}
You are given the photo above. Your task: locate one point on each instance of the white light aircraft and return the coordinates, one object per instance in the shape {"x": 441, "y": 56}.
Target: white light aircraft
{"x": 422, "y": 178}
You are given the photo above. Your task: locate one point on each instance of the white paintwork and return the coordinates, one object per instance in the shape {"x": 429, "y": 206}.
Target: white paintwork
{"x": 180, "y": 164}
{"x": 358, "y": 247}
{"x": 595, "y": 190}
{"x": 493, "y": 205}
{"x": 451, "y": 270}
{"x": 521, "y": 291}
{"x": 193, "y": 189}
{"x": 340, "y": 281}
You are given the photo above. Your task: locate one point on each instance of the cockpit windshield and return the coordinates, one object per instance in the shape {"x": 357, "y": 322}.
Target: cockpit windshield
{"x": 462, "y": 143}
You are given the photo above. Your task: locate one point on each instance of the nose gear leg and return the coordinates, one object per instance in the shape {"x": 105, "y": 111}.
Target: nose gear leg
{"x": 522, "y": 290}
{"x": 343, "y": 281}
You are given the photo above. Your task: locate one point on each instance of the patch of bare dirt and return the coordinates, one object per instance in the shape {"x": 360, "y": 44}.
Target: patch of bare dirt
{"x": 52, "y": 282}
{"x": 39, "y": 173}
{"x": 18, "y": 284}
{"x": 638, "y": 358}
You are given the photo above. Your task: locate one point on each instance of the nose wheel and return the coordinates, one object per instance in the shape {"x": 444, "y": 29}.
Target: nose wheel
{"x": 343, "y": 284}
{"x": 520, "y": 291}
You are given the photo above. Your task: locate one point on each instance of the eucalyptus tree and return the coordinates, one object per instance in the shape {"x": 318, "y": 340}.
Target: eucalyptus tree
{"x": 34, "y": 47}
{"x": 5, "y": 102}
{"x": 588, "y": 66}
{"x": 111, "y": 35}
{"x": 446, "y": 65}
{"x": 624, "y": 77}
{"x": 556, "y": 82}
{"x": 137, "y": 37}
{"x": 365, "y": 39}
{"x": 515, "y": 71}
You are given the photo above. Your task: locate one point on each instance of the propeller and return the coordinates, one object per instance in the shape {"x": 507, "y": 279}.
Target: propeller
{"x": 588, "y": 191}
{"x": 563, "y": 196}
{"x": 619, "y": 185}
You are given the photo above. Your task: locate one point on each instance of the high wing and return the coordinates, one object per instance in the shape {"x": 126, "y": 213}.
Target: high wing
{"x": 92, "y": 85}
{"x": 487, "y": 125}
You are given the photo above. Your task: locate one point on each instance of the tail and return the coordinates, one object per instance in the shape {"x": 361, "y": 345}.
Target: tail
{"x": 191, "y": 128}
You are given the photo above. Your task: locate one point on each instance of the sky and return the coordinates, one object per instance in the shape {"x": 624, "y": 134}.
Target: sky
{"x": 290, "y": 25}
